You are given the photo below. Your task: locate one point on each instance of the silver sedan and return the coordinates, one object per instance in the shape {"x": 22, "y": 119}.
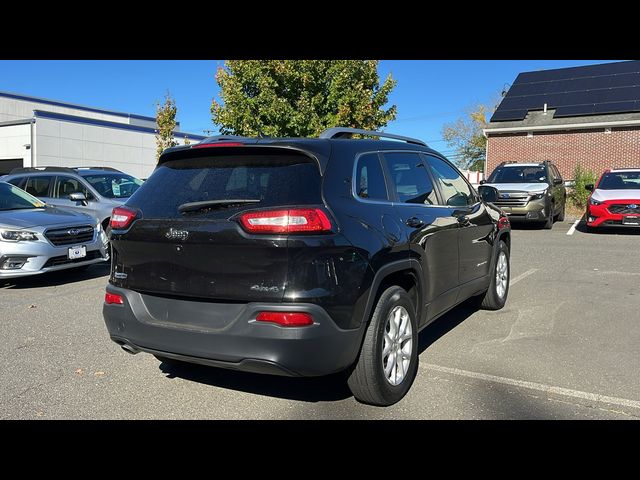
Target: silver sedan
{"x": 36, "y": 238}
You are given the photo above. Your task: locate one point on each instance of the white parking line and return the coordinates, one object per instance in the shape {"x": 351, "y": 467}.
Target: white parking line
{"x": 522, "y": 275}
{"x": 549, "y": 389}
{"x": 573, "y": 227}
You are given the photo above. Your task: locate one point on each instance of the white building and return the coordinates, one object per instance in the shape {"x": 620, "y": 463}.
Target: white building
{"x": 36, "y": 132}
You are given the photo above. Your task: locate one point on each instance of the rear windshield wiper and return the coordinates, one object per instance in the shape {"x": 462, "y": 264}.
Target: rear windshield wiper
{"x": 211, "y": 204}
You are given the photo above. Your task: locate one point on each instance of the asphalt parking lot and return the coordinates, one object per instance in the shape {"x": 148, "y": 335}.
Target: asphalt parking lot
{"x": 566, "y": 346}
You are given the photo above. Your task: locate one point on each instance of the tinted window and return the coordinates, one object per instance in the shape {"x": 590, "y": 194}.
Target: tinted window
{"x": 12, "y": 198}
{"x": 16, "y": 181}
{"x": 410, "y": 178}
{"x": 518, "y": 174}
{"x": 276, "y": 180}
{"x": 114, "y": 185}
{"x": 38, "y": 186}
{"x": 65, "y": 186}
{"x": 556, "y": 172}
{"x": 455, "y": 191}
{"x": 620, "y": 181}
{"x": 370, "y": 179}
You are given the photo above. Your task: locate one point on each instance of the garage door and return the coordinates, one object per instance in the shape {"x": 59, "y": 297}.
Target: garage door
{"x": 7, "y": 165}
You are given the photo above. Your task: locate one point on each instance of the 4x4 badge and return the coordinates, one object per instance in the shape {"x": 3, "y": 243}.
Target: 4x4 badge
{"x": 174, "y": 234}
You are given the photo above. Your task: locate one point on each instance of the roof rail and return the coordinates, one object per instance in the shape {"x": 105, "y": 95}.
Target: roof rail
{"x": 507, "y": 162}
{"x": 111, "y": 169}
{"x": 345, "y": 132}
{"x": 41, "y": 169}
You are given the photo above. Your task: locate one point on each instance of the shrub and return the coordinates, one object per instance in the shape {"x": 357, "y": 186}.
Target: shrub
{"x": 578, "y": 195}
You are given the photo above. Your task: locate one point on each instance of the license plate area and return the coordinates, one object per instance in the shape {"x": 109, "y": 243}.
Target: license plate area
{"x": 77, "y": 252}
{"x": 631, "y": 220}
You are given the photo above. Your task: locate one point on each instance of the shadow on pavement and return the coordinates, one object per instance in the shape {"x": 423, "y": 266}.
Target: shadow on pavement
{"x": 319, "y": 389}
{"x": 445, "y": 324}
{"x": 61, "y": 277}
{"x": 582, "y": 227}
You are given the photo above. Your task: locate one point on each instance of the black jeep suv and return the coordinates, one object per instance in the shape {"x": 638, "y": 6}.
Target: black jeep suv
{"x": 302, "y": 257}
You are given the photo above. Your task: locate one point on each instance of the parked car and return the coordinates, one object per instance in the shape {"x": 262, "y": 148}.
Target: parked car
{"x": 615, "y": 199}
{"x": 36, "y": 238}
{"x": 92, "y": 190}
{"x": 302, "y": 257}
{"x": 530, "y": 192}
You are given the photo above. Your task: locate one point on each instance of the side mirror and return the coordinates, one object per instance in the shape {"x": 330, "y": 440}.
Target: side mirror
{"x": 487, "y": 193}
{"x": 78, "y": 197}
{"x": 558, "y": 181}
{"x": 482, "y": 182}
{"x": 589, "y": 186}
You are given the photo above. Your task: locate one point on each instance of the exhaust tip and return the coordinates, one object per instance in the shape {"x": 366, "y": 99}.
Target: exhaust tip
{"x": 129, "y": 349}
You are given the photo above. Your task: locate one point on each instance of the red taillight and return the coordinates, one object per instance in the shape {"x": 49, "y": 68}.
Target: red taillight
{"x": 295, "y": 220}
{"x": 111, "y": 298}
{"x": 286, "y": 319}
{"x": 503, "y": 222}
{"x": 220, "y": 144}
{"x": 121, "y": 217}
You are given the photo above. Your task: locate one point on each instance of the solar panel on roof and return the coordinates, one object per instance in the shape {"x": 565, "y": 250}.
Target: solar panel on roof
{"x": 589, "y": 90}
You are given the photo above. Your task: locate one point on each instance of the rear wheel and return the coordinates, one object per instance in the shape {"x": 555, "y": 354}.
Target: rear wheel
{"x": 496, "y": 296}
{"x": 388, "y": 360}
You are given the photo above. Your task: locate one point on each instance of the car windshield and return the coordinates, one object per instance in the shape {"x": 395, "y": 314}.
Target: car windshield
{"x": 13, "y": 198}
{"x": 620, "y": 181}
{"x": 114, "y": 185}
{"x": 531, "y": 174}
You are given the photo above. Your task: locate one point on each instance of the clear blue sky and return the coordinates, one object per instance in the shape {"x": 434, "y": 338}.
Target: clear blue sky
{"x": 429, "y": 92}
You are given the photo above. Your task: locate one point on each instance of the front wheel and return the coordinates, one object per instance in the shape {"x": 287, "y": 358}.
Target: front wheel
{"x": 388, "y": 360}
{"x": 496, "y": 296}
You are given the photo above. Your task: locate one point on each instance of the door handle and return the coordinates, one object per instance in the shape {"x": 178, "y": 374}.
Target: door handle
{"x": 414, "y": 222}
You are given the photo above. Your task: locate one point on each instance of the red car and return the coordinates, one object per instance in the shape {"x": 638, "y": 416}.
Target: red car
{"x": 615, "y": 201}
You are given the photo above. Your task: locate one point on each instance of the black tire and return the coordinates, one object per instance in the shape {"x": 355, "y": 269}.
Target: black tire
{"x": 548, "y": 225}
{"x": 490, "y": 300}
{"x": 367, "y": 380}
{"x": 561, "y": 214}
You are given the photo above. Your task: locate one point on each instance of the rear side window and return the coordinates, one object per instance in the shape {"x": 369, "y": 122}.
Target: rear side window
{"x": 65, "y": 186}
{"x": 38, "y": 186}
{"x": 410, "y": 178}
{"x": 370, "y": 179}
{"x": 274, "y": 179}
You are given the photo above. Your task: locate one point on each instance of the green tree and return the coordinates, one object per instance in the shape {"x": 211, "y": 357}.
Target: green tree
{"x": 166, "y": 120}
{"x": 466, "y": 137}
{"x": 578, "y": 195}
{"x": 300, "y": 98}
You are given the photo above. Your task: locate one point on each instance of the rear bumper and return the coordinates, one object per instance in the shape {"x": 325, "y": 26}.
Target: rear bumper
{"x": 226, "y": 335}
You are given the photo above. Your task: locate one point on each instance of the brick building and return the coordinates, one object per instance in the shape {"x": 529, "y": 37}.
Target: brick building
{"x": 585, "y": 114}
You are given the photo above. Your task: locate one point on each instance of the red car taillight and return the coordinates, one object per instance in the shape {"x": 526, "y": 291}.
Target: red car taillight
{"x": 121, "y": 217}
{"x": 295, "y": 220}
{"x": 111, "y": 298}
{"x": 503, "y": 222}
{"x": 286, "y": 319}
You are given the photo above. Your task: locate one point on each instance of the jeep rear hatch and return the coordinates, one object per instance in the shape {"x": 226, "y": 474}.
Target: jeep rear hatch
{"x": 213, "y": 223}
